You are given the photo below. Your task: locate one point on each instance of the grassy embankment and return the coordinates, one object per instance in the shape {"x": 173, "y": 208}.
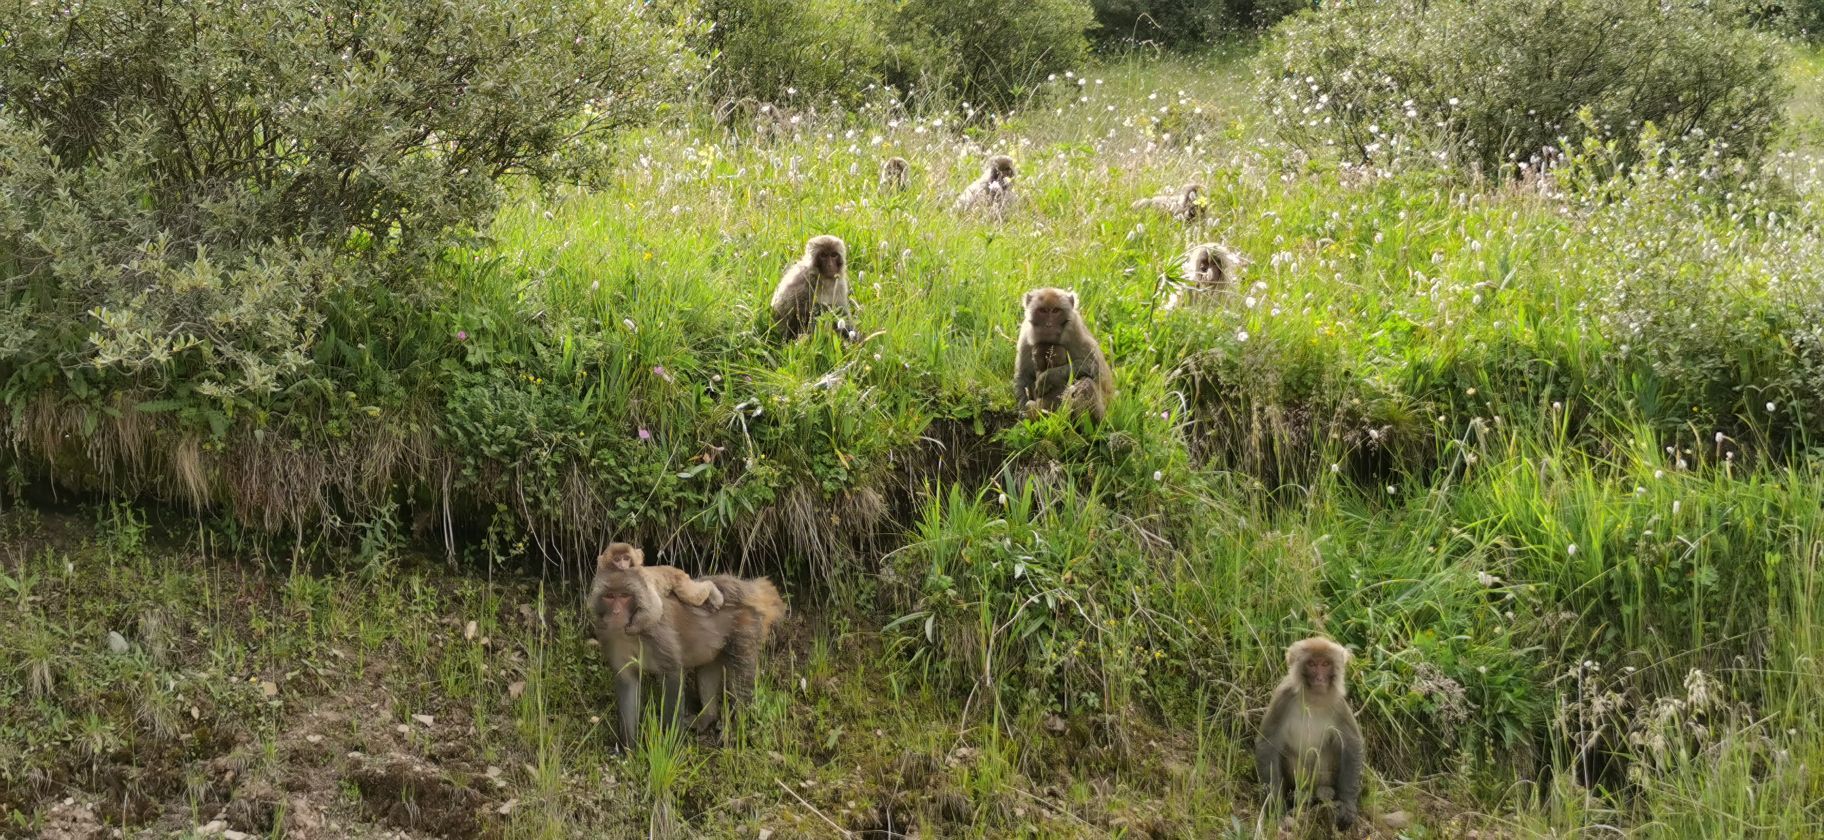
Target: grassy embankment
{"x": 1472, "y": 432}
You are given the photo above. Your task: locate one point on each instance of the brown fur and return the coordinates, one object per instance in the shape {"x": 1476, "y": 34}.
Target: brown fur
{"x": 994, "y": 190}
{"x": 818, "y": 281}
{"x": 1209, "y": 271}
{"x": 721, "y": 648}
{"x": 1309, "y": 741}
{"x": 660, "y": 581}
{"x": 895, "y": 174}
{"x": 1183, "y": 206}
{"x": 1058, "y": 362}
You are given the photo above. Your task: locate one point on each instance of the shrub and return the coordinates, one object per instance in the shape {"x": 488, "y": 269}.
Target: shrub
{"x": 778, "y": 49}
{"x": 182, "y": 185}
{"x": 991, "y": 54}
{"x": 1500, "y": 80}
{"x": 1185, "y": 24}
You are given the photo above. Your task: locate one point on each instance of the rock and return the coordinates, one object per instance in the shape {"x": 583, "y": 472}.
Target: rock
{"x": 231, "y": 834}
{"x": 117, "y": 643}
{"x": 427, "y": 720}
{"x": 1397, "y": 820}
{"x": 1054, "y": 724}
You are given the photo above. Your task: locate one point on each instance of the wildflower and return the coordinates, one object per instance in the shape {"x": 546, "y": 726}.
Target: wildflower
{"x": 1571, "y": 549}
{"x": 1158, "y": 475}
{"x": 644, "y": 434}
{"x": 462, "y": 335}
{"x": 660, "y": 372}
{"x": 1241, "y": 336}
{"x": 1770, "y": 407}
{"x": 1676, "y": 504}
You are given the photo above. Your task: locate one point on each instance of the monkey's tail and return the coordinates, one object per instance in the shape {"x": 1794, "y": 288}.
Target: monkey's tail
{"x": 759, "y": 595}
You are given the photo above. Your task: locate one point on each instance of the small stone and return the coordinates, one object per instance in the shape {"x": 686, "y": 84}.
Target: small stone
{"x": 269, "y": 688}
{"x": 469, "y": 631}
{"x": 765, "y": 833}
{"x": 231, "y": 834}
{"x": 427, "y": 720}
{"x": 213, "y": 828}
{"x": 314, "y": 739}
{"x": 1397, "y": 820}
{"x": 517, "y": 688}
{"x": 1054, "y": 724}
{"x": 117, "y": 643}
{"x": 507, "y": 807}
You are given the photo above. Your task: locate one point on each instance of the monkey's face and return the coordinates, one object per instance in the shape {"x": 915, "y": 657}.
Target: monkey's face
{"x": 828, "y": 262}
{"x": 620, "y": 556}
{"x": 1050, "y": 311}
{"x": 614, "y": 608}
{"x": 1003, "y": 171}
{"x": 1318, "y": 672}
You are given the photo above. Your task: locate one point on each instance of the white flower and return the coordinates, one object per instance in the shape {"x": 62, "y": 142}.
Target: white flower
{"x": 1158, "y": 475}
{"x": 1770, "y": 406}
{"x": 1242, "y": 336}
{"x": 1571, "y": 549}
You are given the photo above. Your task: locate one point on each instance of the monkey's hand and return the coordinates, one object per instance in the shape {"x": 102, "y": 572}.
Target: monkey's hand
{"x": 714, "y": 601}
{"x": 1345, "y": 815}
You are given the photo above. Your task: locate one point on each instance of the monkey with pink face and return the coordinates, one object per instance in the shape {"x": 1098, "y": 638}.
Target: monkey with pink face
{"x": 1309, "y": 746}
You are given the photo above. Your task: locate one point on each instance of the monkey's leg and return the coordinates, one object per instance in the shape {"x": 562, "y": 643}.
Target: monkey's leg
{"x": 709, "y": 693}
{"x": 627, "y": 699}
{"x": 671, "y": 699}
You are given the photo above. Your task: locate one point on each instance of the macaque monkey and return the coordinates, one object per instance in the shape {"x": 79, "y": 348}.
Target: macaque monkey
{"x": 722, "y": 648}
{"x": 1183, "y": 206}
{"x": 816, "y": 282}
{"x": 660, "y": 582}
{"x": 1208, "y": 269}
{"x": 1309, "y": 741}
{"x": 993, "y": 190}
{"x": 895, "y": 174}
{"x": 1058, "y": 362}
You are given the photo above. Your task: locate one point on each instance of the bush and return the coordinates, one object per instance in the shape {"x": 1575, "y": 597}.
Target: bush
{"x": 991, "y": 54}
{"x": 777, "y": 49}
{"x": 1497, "y": 81}
{"x": 190, "y": 181}
{"x": 1186, "y": 24}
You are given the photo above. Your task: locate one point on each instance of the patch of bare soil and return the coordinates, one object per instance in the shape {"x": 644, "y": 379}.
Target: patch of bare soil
{"x": 408, "y": 793}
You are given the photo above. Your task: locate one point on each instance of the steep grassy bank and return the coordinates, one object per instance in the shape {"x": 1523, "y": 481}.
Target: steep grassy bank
{"x": 1541, "y": 455}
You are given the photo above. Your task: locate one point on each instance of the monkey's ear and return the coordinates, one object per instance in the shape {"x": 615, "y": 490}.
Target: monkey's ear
{"x": 603, "y": 563}
{"x": 1026, "y": 300}
{"x": 1072, "y": 297}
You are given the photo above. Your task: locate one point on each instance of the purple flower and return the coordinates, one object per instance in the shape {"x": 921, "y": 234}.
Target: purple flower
{"x": 660, "y": 372}
{"x": 462, "y": 335}
{"x": 645, "y": 435}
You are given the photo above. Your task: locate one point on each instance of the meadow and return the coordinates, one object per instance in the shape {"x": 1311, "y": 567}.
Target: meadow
{"x": 1542, "y": 453}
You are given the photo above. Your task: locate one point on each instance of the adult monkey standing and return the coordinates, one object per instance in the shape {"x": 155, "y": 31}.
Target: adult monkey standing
{"x": 1058, "y": 362}
{"x": 722, "y": 647}
{"x": 1309, "y": 742}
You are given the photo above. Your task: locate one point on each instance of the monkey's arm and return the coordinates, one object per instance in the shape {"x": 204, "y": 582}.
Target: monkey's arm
{"x": 1348, "y": 769}
{"x": 648, "y": 606}
{"x": 1025, "y": 373}
{"x": 1271, "y": 745}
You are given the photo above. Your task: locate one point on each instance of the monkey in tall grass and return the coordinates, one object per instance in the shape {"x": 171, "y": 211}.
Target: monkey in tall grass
{"x": 1058, "y": 362}
{"x": 817, "y": 282}
{"x": 993, "y": 190}
{"x": 1310, "y": 747}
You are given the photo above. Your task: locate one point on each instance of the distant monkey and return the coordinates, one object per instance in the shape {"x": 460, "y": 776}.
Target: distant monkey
{"x": 1309, "y": 741}
{"x": 722, "y": 648}
{"x": 1183, "y": 206}
{"x": 816, "y": 282}
{"x": 660, "y": 582}
{"x": 1058, "y": 362}
{"x": 1208, "y": 268}
{"x": 895, "y": 174}
{"x": 993, "y": 190}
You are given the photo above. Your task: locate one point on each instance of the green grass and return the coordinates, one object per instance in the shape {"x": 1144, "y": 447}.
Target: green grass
{"x": 1470, "y": 431}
